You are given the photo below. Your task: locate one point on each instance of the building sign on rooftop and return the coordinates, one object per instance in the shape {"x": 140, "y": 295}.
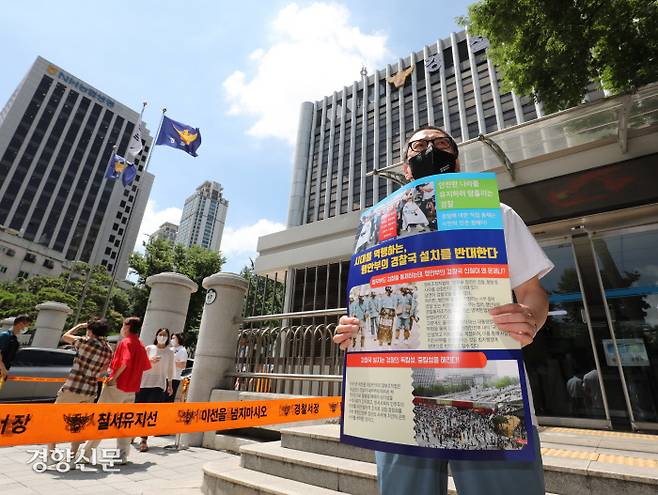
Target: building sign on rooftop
{"x": 79, "y": 86}
{"x": 399, "y": 79}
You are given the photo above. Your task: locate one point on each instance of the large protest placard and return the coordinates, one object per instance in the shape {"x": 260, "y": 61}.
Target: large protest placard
{"x": 429, "y": 373}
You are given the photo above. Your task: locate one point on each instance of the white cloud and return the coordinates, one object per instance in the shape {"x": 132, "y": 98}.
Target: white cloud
{"x": 257, "y": 54}
{"x": 239, "y": 243}
{"x": 243, "y": 240}
{"x": 314, "y": 51}
{"x": 153, "y": 218}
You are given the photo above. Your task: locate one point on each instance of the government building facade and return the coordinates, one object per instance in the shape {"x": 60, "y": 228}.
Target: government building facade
{"x": 582, "y": 179}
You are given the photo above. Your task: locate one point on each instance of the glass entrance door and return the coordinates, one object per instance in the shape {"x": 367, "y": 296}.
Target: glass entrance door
{"x": 595, "y": 362}
{"x": 628, "y": 265}
{"x": 561, "y": 366}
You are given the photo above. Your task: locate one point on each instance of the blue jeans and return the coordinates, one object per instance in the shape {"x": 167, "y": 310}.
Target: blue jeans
{"x": 399, "y": 474}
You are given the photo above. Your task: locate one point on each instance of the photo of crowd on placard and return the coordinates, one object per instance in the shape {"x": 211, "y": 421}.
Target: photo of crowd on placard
{"x": 470, "y": 409}
{"x": 388, "y": 317}
{"x": 410, "y": 212}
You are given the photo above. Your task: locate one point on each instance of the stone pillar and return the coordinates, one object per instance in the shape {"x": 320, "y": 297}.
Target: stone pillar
{"x": 167, "y": 305}
{"x": 50, "y": 323}
{"x": 218, "y": 338}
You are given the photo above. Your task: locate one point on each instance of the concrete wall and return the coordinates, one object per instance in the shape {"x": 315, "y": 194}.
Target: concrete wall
{"x": 11, "y": 266}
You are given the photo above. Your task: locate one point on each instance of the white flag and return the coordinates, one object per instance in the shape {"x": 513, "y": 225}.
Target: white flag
{"x": 135, "y": 144}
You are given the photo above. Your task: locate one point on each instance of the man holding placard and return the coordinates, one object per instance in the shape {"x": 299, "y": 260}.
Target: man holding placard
{"x": 431, "y": 151}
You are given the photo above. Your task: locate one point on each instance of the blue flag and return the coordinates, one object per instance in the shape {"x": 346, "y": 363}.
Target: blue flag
{"x": 115, "y": 166}
{"x": 180, "y": 136}
{"x": 129, "y": 174}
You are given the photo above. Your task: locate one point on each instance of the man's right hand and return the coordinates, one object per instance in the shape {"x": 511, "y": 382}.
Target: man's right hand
{"x": 3, "y": 372}
{"x": 345, "y": 331}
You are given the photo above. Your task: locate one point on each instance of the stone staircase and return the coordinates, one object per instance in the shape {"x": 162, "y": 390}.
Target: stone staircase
{"x": 309, "y": 460}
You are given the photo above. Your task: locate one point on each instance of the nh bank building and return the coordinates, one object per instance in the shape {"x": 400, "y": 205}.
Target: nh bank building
{"x": 56, "y": 206}
{"x": 584, "y": 180}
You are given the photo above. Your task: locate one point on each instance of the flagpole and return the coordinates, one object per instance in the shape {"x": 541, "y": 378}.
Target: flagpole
{"x": 114, "y": 268}
{"x": 83, "y": 294}
{"x": 157, "y": 133}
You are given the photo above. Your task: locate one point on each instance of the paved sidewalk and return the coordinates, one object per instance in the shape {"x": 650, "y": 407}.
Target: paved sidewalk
{"x": 159, "y": 471}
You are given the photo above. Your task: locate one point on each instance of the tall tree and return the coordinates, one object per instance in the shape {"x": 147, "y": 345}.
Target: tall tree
{"x": 22, "y": 295}
{"x": 265, "y": 296}
{"x": 553, "y": 49}
{"x": 160, "y": 256}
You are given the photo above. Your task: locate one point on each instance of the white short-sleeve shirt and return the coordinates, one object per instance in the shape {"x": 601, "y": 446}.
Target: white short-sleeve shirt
{"x": 180, "y": 355}
{"x": 526, "y": 259}
{"x": 160, "y": 371}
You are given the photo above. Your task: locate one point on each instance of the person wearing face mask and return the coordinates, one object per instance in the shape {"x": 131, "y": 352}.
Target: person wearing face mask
{"x": 128, "y": 364}
{"x": 157, "y": 381}
{"x": 9, "y": 343}
{"x": 431, "y": 151}
{"x": 180, "y": 362}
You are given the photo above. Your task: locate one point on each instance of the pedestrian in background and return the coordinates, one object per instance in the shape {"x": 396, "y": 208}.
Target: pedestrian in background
{"x": 128, "y": 364}
{"x": 9, "y": 344}
{"x": 156, "y": 382}
{"x": 93, "y": 356}
{"x": 180, "y": 362}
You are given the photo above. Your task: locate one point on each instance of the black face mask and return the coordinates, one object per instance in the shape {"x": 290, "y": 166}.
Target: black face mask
{"x": 431, "y": 162}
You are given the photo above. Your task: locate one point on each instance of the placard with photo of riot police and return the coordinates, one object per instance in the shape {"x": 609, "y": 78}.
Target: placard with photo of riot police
{"x": 428, "y": 372}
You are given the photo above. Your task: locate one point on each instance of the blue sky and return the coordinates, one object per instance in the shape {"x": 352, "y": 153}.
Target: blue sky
{"x": 236, "y": 70}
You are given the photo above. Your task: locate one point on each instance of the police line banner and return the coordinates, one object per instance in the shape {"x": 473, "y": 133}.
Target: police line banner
{"x": 429, "y": 373}
{"x": 26, "y": 424}
{"x": 43, "y": 379}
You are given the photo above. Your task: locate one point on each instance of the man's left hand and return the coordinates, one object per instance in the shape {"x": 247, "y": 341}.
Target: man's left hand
{"x": 517, "y": 320}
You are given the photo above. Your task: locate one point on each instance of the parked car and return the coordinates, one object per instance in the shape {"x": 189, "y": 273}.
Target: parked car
{"x": 49, "y": 363}
{"x": 37, "y": 362}
{"x": 187, "y": 371}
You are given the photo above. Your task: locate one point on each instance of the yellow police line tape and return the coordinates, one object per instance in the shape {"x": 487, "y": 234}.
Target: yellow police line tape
{"x": 26, "y": 424}
{"x": 36, "y": 379}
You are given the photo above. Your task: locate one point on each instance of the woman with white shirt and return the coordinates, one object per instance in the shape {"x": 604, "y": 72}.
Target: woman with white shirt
{"x": 158, "y": 379}
{"x": 180, "y": 362}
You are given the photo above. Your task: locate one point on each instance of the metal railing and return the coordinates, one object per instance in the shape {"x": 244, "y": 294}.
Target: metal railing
{"x": 292, "y": 353}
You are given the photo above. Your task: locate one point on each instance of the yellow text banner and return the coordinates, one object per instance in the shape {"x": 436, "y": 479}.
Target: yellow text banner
{"x": 26, "y": 424}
